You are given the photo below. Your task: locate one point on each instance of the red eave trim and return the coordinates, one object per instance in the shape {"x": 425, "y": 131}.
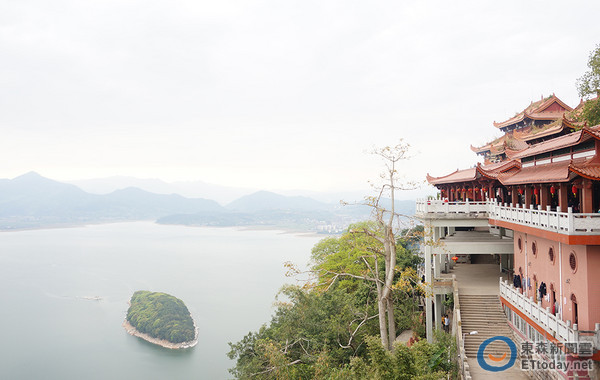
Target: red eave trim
{"x": 550, "y": 235}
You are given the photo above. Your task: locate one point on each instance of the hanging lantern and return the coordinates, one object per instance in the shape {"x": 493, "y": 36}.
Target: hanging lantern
{"x": 536, "y": 191}
{"x": 552, "y": 190}
{"x": 464, "y": 190}
{"x": 454, "y": 258}
{"x": 520, "y": 191}
{"x": 476, "y": 189}
{"x": 574, "y": 189}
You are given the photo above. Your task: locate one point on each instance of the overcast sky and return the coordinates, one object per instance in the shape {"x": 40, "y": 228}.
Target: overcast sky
{"x": 274, "y": 94}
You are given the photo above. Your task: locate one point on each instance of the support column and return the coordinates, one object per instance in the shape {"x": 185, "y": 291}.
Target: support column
{"x": 586, "y": 197}
{"x": 438, "y": 311}
{"x": 528, "y": 194}
{"x": 544, "y": 196}
{"x": 429, "y": 281}
{"x": 563, "y": 200}
{"x": 514, "y": 196}
{"x": 437, "y": 258}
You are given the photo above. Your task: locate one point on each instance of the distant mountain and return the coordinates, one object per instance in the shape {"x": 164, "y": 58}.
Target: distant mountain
{"x": 32, "y": 195}
{"x": 31, "y": 201}
{"x": 266, "y": 200}
{"x": 152, "y": 205}
{"x": 189, "y": 189}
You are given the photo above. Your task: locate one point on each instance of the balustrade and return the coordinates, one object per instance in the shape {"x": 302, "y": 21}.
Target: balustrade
{"x": 556, "y": 221}
{"x": 561, "y": 330}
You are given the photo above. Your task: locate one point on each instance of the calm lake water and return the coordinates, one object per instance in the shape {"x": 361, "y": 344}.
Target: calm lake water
{"x": 227, "y": 277}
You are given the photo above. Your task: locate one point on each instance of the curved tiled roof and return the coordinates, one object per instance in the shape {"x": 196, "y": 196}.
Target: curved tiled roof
{"x": 558, "y": 143}
{"x": 492, "y": 171}
{"x": 535, "y": 111}
{"x": 526, "y": 135}
{"x": 589, "y": 169}
{"x": 553, "y": 172}
{"x": 457, "y": 176}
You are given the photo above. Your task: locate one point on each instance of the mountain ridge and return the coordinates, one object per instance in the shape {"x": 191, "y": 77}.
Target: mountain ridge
{"x": 34, "y": 201}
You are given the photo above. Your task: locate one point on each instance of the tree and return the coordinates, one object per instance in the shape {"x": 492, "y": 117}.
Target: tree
{"x": 375, "y": 253}
{"x": 388, "y": 223}
{"x": 588, "y": 86}
{"x": 355, "y": 263}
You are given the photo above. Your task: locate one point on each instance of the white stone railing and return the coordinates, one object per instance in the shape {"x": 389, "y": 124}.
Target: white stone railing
{"x": 562, "y": 331}
{"x": 460, "y": 336}
{"x": 556, "y": 221}
{"x": 562, "y": 222}
{"x": 425, "y": 206}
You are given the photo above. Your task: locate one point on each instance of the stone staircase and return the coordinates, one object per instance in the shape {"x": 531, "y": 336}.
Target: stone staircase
{"x": 483, "y": 313}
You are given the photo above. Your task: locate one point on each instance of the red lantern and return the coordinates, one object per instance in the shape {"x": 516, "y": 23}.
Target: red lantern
{"x": 454, "y": 258}
{"x": 464, "y": 190}
{"x": 476, "y": 189}
{"x": 536, "y": 191}
{"x": 574, "y": 189}
{"x": 552, "y": 190}
{"x": 520, "y": 191}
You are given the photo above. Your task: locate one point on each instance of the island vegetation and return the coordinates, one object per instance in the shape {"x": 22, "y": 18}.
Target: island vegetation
{"x": 162, "y": 317}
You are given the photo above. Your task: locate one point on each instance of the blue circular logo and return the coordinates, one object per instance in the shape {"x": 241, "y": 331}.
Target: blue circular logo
{"x": 483, "y": 363}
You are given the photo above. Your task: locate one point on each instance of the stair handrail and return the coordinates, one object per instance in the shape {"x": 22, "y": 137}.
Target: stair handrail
{"x": 465, "y": 374}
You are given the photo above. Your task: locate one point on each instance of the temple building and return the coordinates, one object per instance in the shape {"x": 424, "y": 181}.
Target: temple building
{"x": 533, "y": 205}
{"x": 540, "y": 121}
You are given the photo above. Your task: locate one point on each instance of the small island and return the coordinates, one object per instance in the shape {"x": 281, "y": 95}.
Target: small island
{"x": 161, "y": 319}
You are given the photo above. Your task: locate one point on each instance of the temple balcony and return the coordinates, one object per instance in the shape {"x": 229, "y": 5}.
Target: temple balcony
{"x": 555, "y": 221}
{"x": 451, "y": 210}
{"x": 562, "y": 331}
{"x": 507, "y": 216}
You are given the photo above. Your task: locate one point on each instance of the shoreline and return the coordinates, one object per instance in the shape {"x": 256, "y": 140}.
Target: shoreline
{"x": 161, "y": 342}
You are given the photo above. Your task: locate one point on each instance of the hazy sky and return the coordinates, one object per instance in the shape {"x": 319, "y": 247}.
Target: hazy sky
{"x": 274, "y": 94}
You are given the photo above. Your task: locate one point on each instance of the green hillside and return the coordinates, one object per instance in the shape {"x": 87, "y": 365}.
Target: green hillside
{"x": 161, "y": 315}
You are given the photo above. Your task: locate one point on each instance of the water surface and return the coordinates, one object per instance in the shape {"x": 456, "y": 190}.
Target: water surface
{"x": 227, "y": 277}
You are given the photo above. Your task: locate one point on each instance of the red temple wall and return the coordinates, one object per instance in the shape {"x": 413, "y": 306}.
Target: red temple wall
{"x": 584, "y": 282}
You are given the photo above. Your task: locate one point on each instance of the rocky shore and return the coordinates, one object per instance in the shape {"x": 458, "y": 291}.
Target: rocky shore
{"x": 161, "y": 342}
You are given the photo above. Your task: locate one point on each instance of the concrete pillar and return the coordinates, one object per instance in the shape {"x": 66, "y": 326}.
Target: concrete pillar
{"x": 431, "y": 267}
{"x": 429, "y": 280}
{"x": 438, "y": 311}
